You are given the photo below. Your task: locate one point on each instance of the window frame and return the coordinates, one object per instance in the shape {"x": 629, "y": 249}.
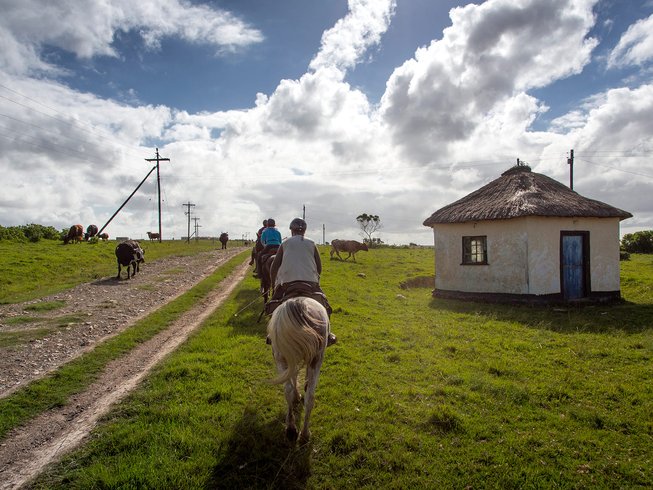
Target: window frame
{"x": 468, "y": 253}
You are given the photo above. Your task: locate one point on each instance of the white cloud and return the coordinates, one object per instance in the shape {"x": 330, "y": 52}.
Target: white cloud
{"x": 345, "y": 43}
{"x": 88, "y": 28}
{"x": 635, "y": 46}
{"x": 491, "y": 52}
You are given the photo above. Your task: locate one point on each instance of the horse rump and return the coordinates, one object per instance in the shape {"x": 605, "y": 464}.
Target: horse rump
{"x": 298, "y": 331}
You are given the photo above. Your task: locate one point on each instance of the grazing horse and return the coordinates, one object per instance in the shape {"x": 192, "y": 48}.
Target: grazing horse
{"x": 298, "y": 330}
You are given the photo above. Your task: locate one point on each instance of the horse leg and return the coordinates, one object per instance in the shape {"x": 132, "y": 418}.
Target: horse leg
{"x": 312, "y": 375}
{"x": 292, "y": 399}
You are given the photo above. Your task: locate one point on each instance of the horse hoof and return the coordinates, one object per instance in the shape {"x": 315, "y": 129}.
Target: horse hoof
{"x": 291, "y": 434}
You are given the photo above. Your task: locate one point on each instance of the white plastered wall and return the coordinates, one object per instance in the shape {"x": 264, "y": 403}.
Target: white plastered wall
{"x": 524, "y": 255}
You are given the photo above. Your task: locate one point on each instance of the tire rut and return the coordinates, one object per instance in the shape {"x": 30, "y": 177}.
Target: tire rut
{"x": 45, "y": 439}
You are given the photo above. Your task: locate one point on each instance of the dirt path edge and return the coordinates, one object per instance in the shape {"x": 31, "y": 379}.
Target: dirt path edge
{"x": 26, "y": 451}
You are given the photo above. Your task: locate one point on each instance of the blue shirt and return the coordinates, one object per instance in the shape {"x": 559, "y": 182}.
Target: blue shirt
{"x": 271, "y": 236}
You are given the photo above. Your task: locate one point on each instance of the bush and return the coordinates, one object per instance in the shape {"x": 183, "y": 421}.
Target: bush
{"x": 31, "y": 232}
{"x": 12, "y": 233}
{"x": 640, "y": 242}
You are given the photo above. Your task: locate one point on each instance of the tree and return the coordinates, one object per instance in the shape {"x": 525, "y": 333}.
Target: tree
{"x": 369, "y": 224}
{"x": 640, "y": 242}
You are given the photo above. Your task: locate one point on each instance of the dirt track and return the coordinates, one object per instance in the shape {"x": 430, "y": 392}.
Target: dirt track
{"x": 25, "y": 451}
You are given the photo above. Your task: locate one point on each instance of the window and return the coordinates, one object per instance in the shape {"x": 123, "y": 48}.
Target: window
{"x": 474, "y": 250}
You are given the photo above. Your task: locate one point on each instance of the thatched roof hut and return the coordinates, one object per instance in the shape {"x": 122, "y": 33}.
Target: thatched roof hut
{"x": 525, "y": 236}
{"x": 520, "y": 192}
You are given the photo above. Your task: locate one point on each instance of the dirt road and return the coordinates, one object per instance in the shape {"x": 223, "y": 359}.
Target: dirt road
{"x": 25, "y": 451}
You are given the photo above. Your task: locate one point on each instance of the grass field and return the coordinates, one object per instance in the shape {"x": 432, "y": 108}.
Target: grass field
{"x": 418, "y": 393}
{"x": 33, "y": 270}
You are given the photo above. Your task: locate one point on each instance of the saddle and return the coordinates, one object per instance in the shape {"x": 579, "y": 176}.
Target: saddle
{"x": 293, "y": 290}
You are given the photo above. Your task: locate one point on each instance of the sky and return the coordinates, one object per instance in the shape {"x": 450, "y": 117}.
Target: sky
{"x": 323, "y": 109}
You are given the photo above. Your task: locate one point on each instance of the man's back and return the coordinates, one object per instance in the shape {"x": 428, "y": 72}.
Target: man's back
{"x": 298, "y": 262}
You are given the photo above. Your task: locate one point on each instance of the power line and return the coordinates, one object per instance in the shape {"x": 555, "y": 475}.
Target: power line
{"x": 90, "y": 128}
{"x": 615, "y": 168}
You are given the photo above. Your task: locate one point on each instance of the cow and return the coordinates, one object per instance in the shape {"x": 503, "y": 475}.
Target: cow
{"x": 224, "y": 238}
{"x": 349, "y": 246}
{"x": 153, "y": 236}
{"x": 103, "y": 236}
{"x": 129, "y": 253}
{"x": 91, "y": 231}
{"x": 75, "y": 234}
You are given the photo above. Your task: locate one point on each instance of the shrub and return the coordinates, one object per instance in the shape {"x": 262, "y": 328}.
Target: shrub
{"x": 639, "y": 242}
{"x": 31, "y": 232}
{"x": 12, "y": 233}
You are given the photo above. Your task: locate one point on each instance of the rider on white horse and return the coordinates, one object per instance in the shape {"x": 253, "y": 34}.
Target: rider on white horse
{"x": 296, "y": 270}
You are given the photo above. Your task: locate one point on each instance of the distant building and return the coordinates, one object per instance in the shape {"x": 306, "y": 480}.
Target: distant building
{"x": 527, "y": 237}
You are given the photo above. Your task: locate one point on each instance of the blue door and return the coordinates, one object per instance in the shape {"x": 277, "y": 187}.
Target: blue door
{"x": 573, "y": 266}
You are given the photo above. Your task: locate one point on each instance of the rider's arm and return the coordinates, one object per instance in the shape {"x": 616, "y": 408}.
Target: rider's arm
{"x": 318, "y": 261}
{"x": 276, "y": 263}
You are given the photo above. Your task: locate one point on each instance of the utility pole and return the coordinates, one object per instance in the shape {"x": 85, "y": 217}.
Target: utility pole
{"x": 196, "y": 227}
{"x": 304, "y": 212}
{"x": 158, "y": 183}
{"x": 323, "y": 234}
{"x": 570, "y": 162}
{"x": 187, "y": 213}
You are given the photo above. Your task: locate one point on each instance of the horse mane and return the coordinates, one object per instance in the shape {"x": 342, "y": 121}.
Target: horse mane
{"x": 298, "y": 330}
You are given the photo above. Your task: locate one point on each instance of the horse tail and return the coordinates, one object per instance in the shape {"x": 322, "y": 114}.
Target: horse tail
{"x": 298, "y": 330}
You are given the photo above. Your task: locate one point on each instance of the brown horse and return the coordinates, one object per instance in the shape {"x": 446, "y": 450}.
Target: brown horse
{"x": 266, "y": 280}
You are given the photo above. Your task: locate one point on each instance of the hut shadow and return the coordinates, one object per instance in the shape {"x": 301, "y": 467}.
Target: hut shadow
{"x": 257, "y": 455}
{"x": 626, "y": 317}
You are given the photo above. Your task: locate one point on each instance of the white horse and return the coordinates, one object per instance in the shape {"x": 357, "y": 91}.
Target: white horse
{"x": 298, "y": 329}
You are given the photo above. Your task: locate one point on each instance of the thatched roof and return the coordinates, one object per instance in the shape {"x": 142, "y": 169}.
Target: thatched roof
{"x": 520, "y": 192}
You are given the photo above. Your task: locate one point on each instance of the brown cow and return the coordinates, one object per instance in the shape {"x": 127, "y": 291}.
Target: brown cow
{"x": 152, "y": 236}
{"x": 103, "y": 236}
{"x": 75, "y": 234}
{"x": 349, "y": 246}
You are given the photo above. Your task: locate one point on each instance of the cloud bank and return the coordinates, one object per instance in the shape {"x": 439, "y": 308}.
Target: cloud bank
{"x": 453, "y": 116}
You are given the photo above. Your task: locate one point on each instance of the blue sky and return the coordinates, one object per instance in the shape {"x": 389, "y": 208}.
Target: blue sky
{"x": 394, "y": 108}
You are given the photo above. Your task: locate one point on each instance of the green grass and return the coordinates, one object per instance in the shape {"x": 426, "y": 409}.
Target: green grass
{"x": 12, "y": 338}
{"x": 54, "y": 390}
{"x": 418, "y": 393}
{"x": 34, "y": 270}
{"x": 45, "y": 306}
